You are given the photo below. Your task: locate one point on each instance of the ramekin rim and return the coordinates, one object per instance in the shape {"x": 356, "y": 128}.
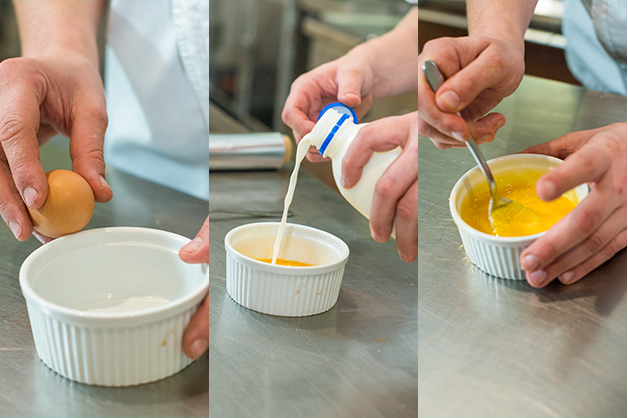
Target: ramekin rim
{"x": 287, "y": 270}
{"x": 168, "y": 309}
{"x": 460, "y": 223}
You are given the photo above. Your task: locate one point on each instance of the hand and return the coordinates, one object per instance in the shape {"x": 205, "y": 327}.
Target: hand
{"x": 39, "y": 98}
{"x": 347, "y": 80}
{"x": 395, "y": 201}
{"x": 196, "y": 336}
{"x": 479, "y": 73}
{"x": 384, "y": 66}
{"x": 596, "y": 229}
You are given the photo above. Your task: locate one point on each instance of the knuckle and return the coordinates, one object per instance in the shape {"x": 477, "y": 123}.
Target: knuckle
{"x": 97, "y": 115}
{"x": 385, "y": 187}
{"x": 616, "y": 244}
{"x": 586, "y": 220}
{"x": 12, "y": 129}
{"x": 547, "y": 251}
{"x": 424, "y": 128}
{"x": 94, "y": 153}
{"x": 285, "y": 115}
{"x": 6, "y": 68}
{"x": 10, "y": 66}
{"x": 595, "y": 243}
{"x": 16, "y": 71}
{"x": 407, "y": 208}
{"x": 435, "y": 44}
{"x": 411, "y": 146}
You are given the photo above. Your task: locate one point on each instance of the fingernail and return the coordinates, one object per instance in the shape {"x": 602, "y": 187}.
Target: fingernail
{"x": 104, "y": 183}
{"x": 193, "y": 245}
{"x": 451, "y": 99}
{"x": 567, "y": 277}
{"x": 538, "y": 277}
{"x": 30, "y": 196}
{"x": 404, "y": 257}
{"x": 530, "y": 262}
{"x": 16, "y": 228}
{"x": 343, "y": 181}
{"x": 198, "y": 347}
{"x": 351, "y": 96}
{"x": 547, "y": 189}
{"x": 459, "y": 136}
{"x": 499, "y": 123}
{"x": 375, "y": 236}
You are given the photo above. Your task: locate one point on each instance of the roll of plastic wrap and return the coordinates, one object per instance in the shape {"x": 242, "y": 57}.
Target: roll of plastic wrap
{"x": 250, "y": 151}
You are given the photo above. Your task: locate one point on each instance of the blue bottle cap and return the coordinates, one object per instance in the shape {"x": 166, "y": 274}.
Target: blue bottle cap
{"x": 340, "y": 108}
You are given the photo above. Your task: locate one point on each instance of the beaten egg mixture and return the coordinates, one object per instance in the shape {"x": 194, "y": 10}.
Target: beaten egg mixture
{"x": 536, "y": 216}
{"x": 283, "y": 262}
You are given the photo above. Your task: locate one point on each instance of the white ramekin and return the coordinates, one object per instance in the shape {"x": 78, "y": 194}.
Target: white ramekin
{"x": 499, "y": 256}
{"x": 109, "y": 306}
{"x": 282, "y": 290}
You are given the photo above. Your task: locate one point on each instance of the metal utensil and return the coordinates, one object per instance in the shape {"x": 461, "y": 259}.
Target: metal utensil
{"x": 499, "y": 206}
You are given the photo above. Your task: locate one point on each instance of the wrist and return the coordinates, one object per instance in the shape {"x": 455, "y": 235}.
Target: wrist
{"x": 57, "y": 28}
{"x": 396, "y": 72}
{"x": 63, "y": 49}
{"x": 506, "y": 21}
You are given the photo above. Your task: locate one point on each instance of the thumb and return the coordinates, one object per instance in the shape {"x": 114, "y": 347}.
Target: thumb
{"x": 484, "y": 73}
{"x": 350, "y": 80}
{"x": 86, "y": 150}
{"x": 197, "y": 250}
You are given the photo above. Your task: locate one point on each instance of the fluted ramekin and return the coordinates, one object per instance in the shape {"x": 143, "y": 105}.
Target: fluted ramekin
{"x": 499, "y": 256}
{"x": 109, "y": 306}
{"x": 283, "y": 290}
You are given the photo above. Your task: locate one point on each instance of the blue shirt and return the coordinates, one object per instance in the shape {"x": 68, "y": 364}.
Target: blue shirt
{"x": 596, "y": 43}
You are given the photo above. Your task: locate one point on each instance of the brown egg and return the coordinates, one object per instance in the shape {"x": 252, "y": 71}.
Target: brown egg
{"x": 68, "y": 207}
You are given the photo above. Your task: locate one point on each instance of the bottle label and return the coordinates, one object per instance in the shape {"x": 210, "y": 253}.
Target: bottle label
{"x": 332, "y": 133}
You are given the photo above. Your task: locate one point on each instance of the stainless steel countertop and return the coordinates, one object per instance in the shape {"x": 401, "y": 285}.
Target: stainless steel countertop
{"x": 357, "y": 360}
{"x": 30, "y": 389}
{"x": 497, "y": 348}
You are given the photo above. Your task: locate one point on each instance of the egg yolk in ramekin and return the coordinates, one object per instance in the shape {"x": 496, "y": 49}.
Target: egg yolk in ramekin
{"x": 536, "y": 216}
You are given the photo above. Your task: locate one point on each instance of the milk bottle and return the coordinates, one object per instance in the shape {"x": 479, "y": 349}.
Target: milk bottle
{"x": 333, "y": 133}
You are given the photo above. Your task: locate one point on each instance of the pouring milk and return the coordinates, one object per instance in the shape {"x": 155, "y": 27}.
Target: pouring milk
{"x": 333, "y": 133}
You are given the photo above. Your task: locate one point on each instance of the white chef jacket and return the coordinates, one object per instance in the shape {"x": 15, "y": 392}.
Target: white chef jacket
{"x": 596, "y": 43}
{"x": 157, "y": 84}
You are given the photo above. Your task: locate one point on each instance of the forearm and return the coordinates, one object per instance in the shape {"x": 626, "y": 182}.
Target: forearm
{"x": 503, "y": 19}
{"x": 47, "y": 27}
{"x": 393, "y": 57}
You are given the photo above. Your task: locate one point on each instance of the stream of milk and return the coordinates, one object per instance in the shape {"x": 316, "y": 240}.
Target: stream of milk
{"x": 302, "y": 149}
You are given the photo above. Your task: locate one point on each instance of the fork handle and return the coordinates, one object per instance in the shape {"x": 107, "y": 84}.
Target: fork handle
{"x": 479, "y": 158}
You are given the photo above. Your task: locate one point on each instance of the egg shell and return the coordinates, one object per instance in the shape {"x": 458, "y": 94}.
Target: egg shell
{"x": 69, "y": 205}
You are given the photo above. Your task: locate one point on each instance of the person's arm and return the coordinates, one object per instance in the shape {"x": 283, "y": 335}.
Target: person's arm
{"x": 384, "y": 66}
{"x": 503, "y": 19}
{"x": 392, "y": 58}
{"x": 48, "y": 27}
{"x": 54, "y": 88}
